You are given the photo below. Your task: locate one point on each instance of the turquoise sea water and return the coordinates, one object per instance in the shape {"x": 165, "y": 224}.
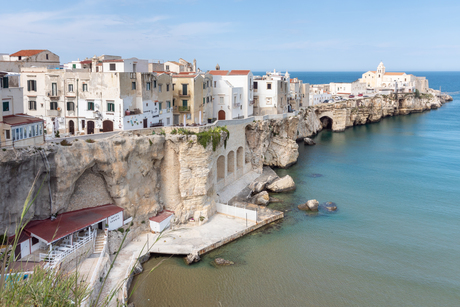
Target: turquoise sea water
{"x": 394, "y": 241}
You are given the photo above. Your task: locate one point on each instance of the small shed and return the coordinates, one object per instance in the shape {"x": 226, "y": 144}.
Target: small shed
{"x": 161, "y": 221}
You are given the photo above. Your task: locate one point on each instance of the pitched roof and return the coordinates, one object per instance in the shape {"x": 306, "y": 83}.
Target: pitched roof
{"x": 163, "y": 215}
{"x": 29, "y": 52}
{"x": 218, "y": 72}
{"x": 20, "y": 119}
{"x": 239, "y": 72}
{"x": 395, "y": 73}
{"x": 70, "y": 222}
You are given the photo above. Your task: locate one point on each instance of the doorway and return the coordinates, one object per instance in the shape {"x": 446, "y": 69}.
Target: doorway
{"x": 221, "y": 115}
{"x": 90, "y": 127}
{"x": 71, "y": 127}
{"x": 145, "y": 122}
{"x": 107, "y": 125}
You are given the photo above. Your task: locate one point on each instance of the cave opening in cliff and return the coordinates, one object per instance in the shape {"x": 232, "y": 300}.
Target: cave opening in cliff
{"x": 326, "y": 122}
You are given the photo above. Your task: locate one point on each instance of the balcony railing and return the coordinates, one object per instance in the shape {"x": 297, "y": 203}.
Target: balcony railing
{"x": 183, "y": 108}
{"x": 53, "y": 113}
{"x": 236, "y": 105}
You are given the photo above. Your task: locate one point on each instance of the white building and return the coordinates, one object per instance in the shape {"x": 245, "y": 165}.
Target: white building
{"x": 16, "y": 128}
{"x": 381, "y": 80}
{"x": 181, "y": 66}
{"x": 28, "y": 58}
{"x": 319, "y": 93}
{"x": 232, "y": 94}
{"x": 347, "y": 88}
{"x": 271, "y": 93}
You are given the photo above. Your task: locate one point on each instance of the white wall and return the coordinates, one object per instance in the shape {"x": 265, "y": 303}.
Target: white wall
{"x": 159, "y": 227}
{"x": 115, "y": 221}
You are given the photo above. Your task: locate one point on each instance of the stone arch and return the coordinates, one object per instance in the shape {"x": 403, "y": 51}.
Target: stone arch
{"x": 221, "y": 115}
{"x": 326, "y": 122}
{"x": 239, "y": 158}
{"x": 230, "y": 162}
{"x": 220, "y": 168}
{"x": 71, "y": 127}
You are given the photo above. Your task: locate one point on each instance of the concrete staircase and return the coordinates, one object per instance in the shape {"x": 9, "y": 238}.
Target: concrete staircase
{"x": 100, "y": 242}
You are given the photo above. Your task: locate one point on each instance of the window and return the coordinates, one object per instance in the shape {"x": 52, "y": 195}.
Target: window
{"x": 255, "y": 85}
{"x": 70, "y": 106}
{"x": 6, "y": 106}
{"x": 7, "y": 134}
{"x": 147, "y": 86}
{"x": 134, "y": 67}
{"x": 168, "y": 104}
{"x": 167, "y": 87}
{"x": 74, "y": 66}
{"x": 110, "y": 107}
{"x": 83, "y": 124}
{"x": 71, "y": 88}
{"x": 221, "y": 100}
{"x": 154, "y": 83}
{"x": 85, "y": 87}
{"x": 215, "y": 84}
{"x": 167, "y": 67}
{"x": 133, "y": 85}
{"x": 204, "y": 100}
{"x": 207, "y": 83}
{"x": 184, "y": 103}
{"x": 160, "y": 106}
{"x": 184, "y": 89}
{"x": 112, "y": 67}
{"x": 160, "y": 87}
{"x": 204, "y": 85}
{"x": 173, "y": 86}
{"x": 19, "y": 58}
{"x": 269, "y": 86}
{"x": 4, "y": 82}
{"x": 90, "y": 105}
{"x": 47, "y": 56}
{"x": 53, "y": 89}
{"x": 189, "y": 116}
{"x": 32, "y": 85}
{"x": 53, "y": 105}
{"x": 32, "y": 105}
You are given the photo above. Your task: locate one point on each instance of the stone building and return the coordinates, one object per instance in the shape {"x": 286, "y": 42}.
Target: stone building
{"x": 16, "y": 128}
{"x": 28, "y": 58}
{"x": 271, "y": 93}
{"x": 348, "y": 88}
{"x": 232, "y": 94}
{"x": 191, "y": 93}
{"x": 181, "y": 66}
{"x": 79, "y": 101}
{"x": 400, "y": 82}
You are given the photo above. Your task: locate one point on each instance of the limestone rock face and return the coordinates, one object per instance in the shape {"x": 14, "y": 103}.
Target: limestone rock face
{"x": 281, "y": 153}
{"x": 138, "y": 171}
{"x": 283, "y": 184}
{"x": 257, "y": 187}
{"x": 311, "y": 205}
{"x": 261, "y": 199}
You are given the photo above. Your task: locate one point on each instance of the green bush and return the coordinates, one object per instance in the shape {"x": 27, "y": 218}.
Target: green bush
{"x": 214, "y": 136}
{"x": 65, "y": 143}
{"x": 90, "y": 141}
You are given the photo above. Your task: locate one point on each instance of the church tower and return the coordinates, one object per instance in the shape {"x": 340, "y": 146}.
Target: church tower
{"x": 379, "y": 74}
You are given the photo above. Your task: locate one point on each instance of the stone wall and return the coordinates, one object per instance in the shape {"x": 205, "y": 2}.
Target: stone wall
{"x": 75, "y": 259}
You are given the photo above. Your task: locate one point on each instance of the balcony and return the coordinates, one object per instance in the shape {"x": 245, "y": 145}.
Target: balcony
{"x": 53, "y": 113}
{"x": 236, "y": 105}
{"x": 54, "y": 94}
{"x": 182, "y": 108}
{"x": 182, "y": 94}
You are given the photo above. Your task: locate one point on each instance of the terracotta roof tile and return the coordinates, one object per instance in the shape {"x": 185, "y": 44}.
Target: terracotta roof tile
{"x": 239, "y": 72}
{"x": 30, "y": 52}
{"x": 218, "y": 72}
{"x": 20, "y": 119}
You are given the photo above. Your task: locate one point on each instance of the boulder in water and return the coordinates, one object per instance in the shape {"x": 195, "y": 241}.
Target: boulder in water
{"x": 330, "y": 206}
{"x": 308, "y": 141}
{"x": 311, "y": 205}
{"x": 261, "y": 199}
{"x": 283, "y": 184}
{"x": 223, "y": 262}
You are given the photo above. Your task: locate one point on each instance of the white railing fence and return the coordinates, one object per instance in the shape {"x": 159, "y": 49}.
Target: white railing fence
{"x": 59, "y": 253}
{"x": 243, "y": 213}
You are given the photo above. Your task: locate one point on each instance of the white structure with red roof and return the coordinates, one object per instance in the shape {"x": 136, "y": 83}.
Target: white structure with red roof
{"x": 233, "y": 95}
{"x": 28, "y": 58}
{"x": 161, "y": 221}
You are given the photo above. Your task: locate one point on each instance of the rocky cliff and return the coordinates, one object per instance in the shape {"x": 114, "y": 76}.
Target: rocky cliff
{"x": 140, "y": 172}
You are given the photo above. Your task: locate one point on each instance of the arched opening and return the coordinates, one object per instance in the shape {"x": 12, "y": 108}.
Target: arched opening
{"x": 239, "y": 158}
{"x": 400, "y": 103}
{"x": 90, "y": 127}
{"x": 220, "y": 168}
{"x": 71, "y": 127}
{"x": 231, "y": 162}
{"x": 107, "y": 125}
{"x": 326, "y": 122}
{"x": 221, "y": 115}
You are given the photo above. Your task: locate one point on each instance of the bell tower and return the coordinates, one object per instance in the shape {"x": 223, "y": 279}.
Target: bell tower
{"x": 379, "y": 74}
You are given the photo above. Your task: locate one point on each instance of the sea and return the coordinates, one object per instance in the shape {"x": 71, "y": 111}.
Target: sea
{"x": 393, "y": 241}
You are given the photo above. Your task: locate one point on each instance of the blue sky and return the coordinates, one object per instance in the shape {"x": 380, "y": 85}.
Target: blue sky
{"x": 326, "y": 35}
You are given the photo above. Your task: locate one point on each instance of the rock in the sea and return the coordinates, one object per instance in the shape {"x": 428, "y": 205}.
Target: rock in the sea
{"x": 330, "y": 206}
{"x": 222, "y": 261}
{"x": 257, "y": 186}
{"x": 191, "y": 258}
{"x": 311, "y": 205}
{"x": 283, "y": 184}
{"x": 261, "y": 199}
{"x": 275, "y": 200}
{"x": 308, "y": 141}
